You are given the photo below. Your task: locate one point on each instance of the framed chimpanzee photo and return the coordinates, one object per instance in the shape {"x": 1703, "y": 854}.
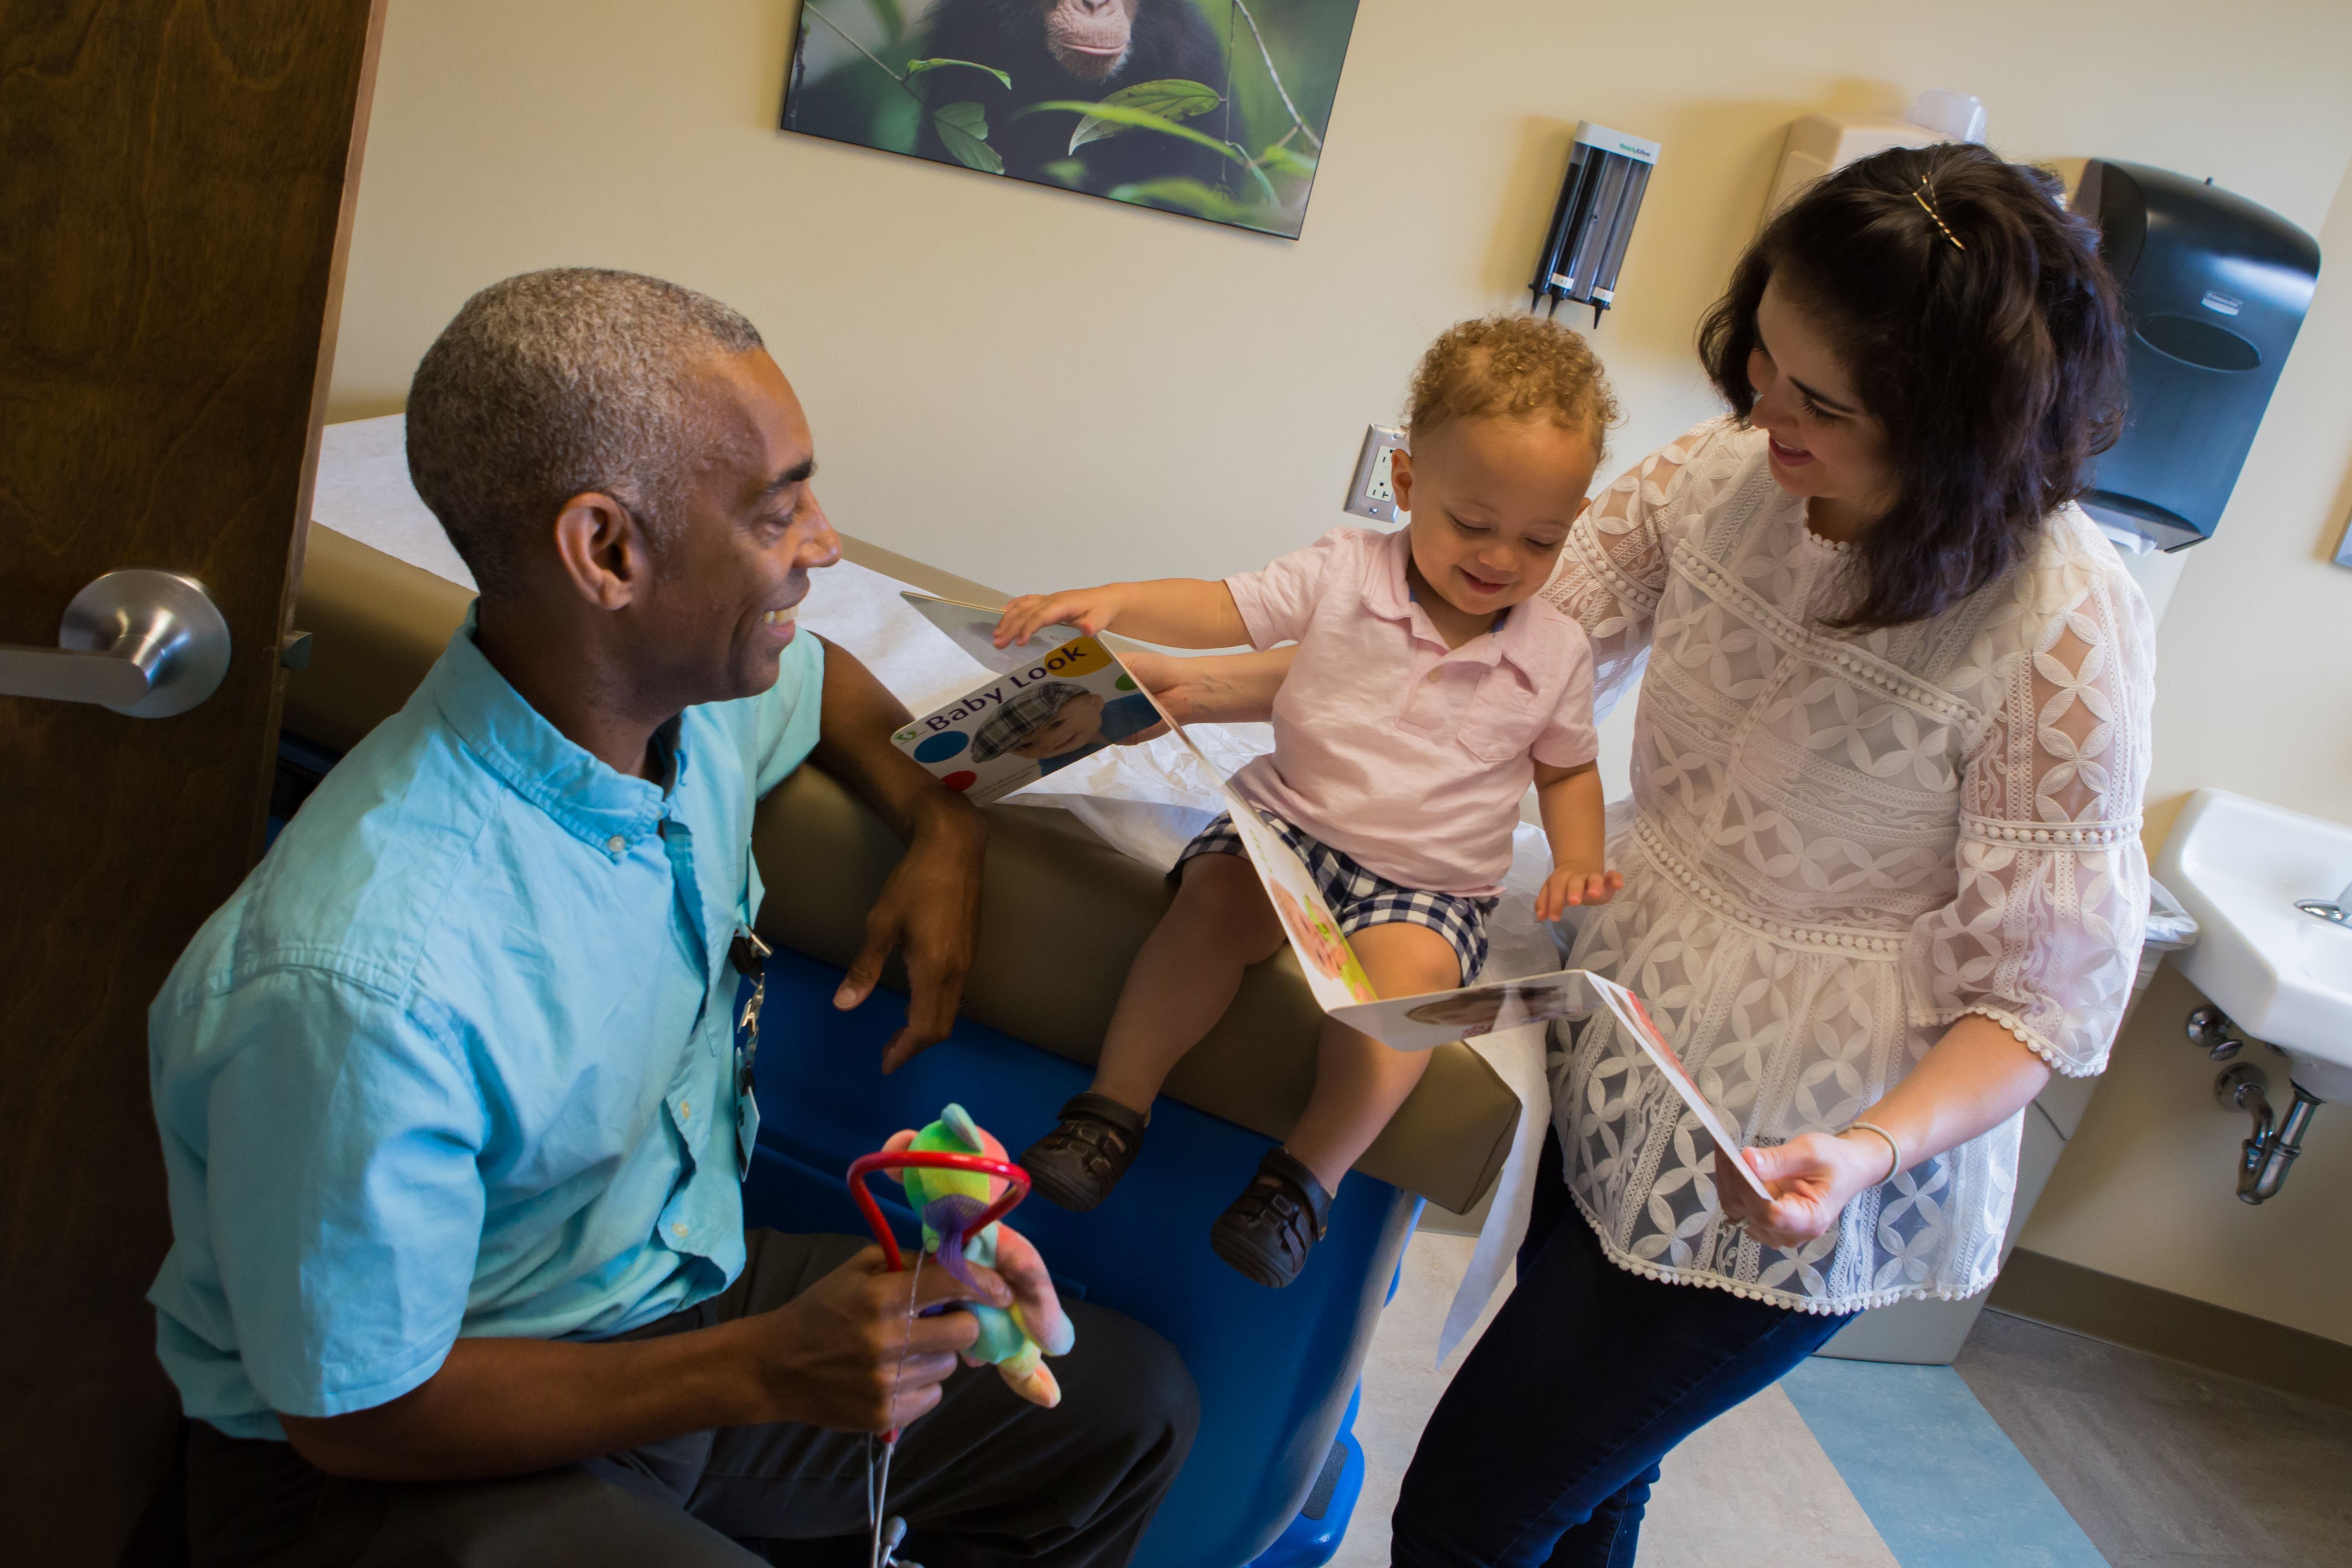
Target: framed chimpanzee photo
{"x": 1214, "y": 109}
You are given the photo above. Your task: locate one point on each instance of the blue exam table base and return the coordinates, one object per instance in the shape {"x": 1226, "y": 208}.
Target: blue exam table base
{"x": 1276, "y": 1369}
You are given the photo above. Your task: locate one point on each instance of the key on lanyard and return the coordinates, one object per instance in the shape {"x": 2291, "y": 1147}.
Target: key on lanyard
{"x": 749, "y": 955}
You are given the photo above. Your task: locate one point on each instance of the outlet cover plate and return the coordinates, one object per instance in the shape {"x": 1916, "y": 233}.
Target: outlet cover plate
{"x": 1369, "y": 493}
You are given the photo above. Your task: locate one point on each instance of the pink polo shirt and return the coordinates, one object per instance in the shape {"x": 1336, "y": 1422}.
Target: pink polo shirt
{"x": 1389, "y": 747}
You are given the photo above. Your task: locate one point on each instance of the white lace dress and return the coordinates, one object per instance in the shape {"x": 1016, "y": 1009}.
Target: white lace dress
{"x": 1842, "y": 843}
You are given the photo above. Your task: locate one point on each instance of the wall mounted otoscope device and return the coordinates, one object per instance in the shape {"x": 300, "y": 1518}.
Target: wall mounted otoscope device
{"x": 1590, "y": 225}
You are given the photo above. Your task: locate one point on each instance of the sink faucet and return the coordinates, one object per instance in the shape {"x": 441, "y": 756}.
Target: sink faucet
{"x": 2338, "y": 909}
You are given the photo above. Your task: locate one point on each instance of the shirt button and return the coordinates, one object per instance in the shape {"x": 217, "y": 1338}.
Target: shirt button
{"x": 678, "y": 1229}
{"x": 616, "y": 843}
{"x": 685, "y": 1109}
{"x": 1436, "y": 675}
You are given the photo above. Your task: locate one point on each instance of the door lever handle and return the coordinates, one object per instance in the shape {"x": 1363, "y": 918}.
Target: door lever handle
{"x": 143, "y": 642}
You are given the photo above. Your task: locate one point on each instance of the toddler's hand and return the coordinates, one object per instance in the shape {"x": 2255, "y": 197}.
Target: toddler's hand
{"x": 1570, "y": 886}
{"x": 1088, "y": 609}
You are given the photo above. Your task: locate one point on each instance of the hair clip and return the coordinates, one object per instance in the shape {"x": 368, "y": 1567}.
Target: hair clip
{"x": 1925, "y": 197}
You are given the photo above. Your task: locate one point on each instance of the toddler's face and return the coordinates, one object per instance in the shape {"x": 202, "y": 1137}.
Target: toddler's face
{"x": 1073, "y": 724}
{"x": 1492, "y": 499}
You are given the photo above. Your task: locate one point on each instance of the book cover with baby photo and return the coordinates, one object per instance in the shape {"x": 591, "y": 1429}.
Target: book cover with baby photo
{"x": 1047, "y": 705}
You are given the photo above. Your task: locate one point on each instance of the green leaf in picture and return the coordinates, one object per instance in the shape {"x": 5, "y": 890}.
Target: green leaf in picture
{"x": 1282, "y": 159}
{"x": 963, "y": 129}
{"x": 1170, "y": 99}
{"x": 1064, "y": 171}
{"x": 1184, "y": 195}
{"x": 1273, "y": 198}
{"x": 1139, "y": 119}
{"x": 916, "y": 68}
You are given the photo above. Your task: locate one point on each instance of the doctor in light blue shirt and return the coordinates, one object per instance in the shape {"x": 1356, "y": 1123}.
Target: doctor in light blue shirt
{"x": 450, "y": 1092}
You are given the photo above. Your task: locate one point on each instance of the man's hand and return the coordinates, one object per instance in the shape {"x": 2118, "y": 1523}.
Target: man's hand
{"x": 852, "y": 1353}
{"x": 929, "y": 909}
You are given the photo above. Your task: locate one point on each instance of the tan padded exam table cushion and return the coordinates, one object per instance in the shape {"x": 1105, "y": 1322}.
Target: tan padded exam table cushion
{"x": 378, "y": 623}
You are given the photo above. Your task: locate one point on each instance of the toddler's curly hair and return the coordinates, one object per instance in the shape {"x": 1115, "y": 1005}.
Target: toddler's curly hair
{"x": 1520, "y": 366}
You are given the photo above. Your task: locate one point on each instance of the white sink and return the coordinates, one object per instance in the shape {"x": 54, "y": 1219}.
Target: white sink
{"x": 2281, "y": 975}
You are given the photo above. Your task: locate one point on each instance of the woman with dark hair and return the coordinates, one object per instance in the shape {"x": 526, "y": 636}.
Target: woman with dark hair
{"x": 1884, "y": 876}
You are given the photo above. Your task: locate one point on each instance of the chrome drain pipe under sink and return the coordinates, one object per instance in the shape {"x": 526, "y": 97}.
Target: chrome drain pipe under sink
{"x": 2266, "y": 1157}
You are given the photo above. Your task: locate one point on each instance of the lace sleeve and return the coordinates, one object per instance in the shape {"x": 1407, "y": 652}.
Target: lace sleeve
{"x": 2044, "y": 933}
{"x": 1614, "y": 567}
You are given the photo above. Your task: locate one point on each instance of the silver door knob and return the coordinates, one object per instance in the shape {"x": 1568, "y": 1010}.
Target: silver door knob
{"x": 146, "y": 642}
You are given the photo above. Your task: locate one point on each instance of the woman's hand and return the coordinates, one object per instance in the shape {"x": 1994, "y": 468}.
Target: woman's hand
{"x": 1812, "y": 1178}
{"x": 1569, "y": 887}
{"x": 1216, "y": 688}
{"x": 1090, "y": 610}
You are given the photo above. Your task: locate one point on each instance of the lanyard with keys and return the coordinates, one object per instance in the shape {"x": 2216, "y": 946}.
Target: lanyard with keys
{"x": 749, "y": 955}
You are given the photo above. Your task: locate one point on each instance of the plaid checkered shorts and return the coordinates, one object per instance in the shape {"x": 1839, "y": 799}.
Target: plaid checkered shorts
{"x": 1361, "y": 898}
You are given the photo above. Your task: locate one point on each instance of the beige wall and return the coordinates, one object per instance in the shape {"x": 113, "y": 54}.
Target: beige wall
{"x": 1030, "y": 388}
{"x": 2148, "y": 1189}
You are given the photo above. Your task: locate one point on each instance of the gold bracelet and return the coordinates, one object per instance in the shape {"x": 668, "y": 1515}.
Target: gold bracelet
{"x": 1893, "y": 1148}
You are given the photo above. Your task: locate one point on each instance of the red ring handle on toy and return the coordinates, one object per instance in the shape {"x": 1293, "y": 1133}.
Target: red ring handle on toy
{"x": 1015, "y": 1179}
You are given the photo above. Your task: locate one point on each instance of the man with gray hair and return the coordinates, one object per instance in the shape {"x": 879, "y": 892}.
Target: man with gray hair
{"x": 454, "y": 1092}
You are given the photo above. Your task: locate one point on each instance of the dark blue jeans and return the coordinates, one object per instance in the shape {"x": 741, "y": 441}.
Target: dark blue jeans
{"x": 1545, "y": 1447}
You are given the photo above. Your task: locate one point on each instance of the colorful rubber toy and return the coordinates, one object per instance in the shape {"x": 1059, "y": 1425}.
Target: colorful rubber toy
{"x": 1016, "y": 1340}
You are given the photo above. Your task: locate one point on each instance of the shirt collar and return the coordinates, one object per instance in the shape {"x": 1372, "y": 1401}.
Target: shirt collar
{"x": 1516, "y": 636}
{"x": 1519, "y": 637}
{"x": 582, "y": 792}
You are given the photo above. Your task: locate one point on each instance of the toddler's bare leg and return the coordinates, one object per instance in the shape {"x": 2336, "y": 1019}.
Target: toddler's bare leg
{"x": 1185, "y": 975}
{"x": 1359, "y": 1082}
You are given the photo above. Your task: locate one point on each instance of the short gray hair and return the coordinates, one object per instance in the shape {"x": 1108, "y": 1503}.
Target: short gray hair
{"x": 556, "y": 382}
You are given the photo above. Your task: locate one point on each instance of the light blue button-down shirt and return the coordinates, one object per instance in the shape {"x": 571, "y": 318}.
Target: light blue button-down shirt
{"x": 459, "y": 1058}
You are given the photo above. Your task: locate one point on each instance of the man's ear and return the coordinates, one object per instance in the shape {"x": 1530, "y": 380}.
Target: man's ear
{"x": 603, "y": 551}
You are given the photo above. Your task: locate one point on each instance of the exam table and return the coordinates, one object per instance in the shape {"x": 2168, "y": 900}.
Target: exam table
{"x": 1275, "y": 1473}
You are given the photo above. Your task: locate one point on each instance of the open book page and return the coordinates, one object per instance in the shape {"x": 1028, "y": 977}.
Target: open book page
{"x": 1634, "y": 1019}
{"x": 972, "y": 628}
{"x": 1436, "y": 1018}
{"x": 1332, "y": 972}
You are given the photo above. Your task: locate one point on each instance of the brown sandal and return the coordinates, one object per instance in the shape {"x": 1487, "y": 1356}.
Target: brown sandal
{"x": 1279, "y": 1218}
{"x": 1081, "y": 1159}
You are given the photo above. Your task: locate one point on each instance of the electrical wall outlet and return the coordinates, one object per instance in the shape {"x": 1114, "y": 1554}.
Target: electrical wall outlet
{"x": 1370, "y": 493}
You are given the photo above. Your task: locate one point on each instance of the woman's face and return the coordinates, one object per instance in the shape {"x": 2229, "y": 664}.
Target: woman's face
{"x": 1824, "y": 445}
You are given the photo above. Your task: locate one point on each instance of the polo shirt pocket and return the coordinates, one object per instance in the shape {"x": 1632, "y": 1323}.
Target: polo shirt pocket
{"x": 1503, "y": 719}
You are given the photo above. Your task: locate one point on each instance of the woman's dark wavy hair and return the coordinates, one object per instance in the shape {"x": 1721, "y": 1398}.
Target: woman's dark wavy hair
{"x": 1996, "y": 369}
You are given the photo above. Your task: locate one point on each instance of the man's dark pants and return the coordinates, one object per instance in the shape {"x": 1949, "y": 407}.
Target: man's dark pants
{"x": 984, "y": 1479}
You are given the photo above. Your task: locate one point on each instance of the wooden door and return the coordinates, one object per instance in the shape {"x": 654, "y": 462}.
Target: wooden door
{"x": 176, "y": 182}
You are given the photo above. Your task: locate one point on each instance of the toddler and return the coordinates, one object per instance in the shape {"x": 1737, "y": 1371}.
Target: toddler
{"x": 1431, "y": 685}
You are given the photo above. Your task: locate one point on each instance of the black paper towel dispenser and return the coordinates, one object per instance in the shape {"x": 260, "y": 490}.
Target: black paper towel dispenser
{"x": 2215, "y": 288}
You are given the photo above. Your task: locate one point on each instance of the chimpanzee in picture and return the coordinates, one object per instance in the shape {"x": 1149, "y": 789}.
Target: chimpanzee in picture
{"x": 1071, "y": 50}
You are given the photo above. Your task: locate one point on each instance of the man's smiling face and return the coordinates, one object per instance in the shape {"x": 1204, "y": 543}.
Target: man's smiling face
{"x": 720, "y": 611}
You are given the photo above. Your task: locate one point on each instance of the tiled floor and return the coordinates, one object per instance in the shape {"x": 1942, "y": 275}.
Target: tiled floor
{"x": 2166, "y": 1466}
{"x": 2040, "y": 1451}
